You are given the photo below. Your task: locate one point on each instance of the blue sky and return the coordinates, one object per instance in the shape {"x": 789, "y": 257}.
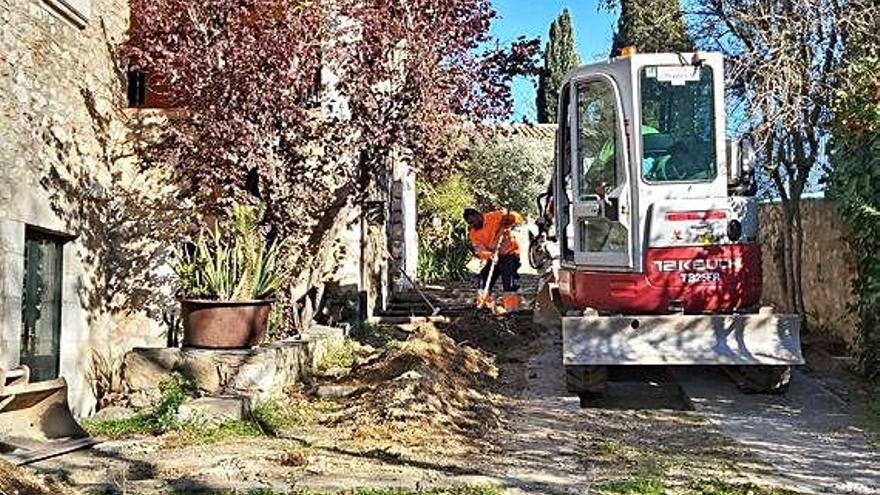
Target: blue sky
{"x": 532, "y": 18}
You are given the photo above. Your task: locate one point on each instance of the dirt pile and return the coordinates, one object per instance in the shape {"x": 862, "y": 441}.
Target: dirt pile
{"x": 425, "y": 384}
{"x": 500, "y": 336}
{"x": 17, "y": 481}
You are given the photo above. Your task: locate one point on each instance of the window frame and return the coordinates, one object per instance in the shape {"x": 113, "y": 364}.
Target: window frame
{"x": 641, "y": 143}
{"x": 619, "y": 138}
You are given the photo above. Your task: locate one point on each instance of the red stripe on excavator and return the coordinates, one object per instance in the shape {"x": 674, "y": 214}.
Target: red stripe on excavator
{"x": 682, "y": 216}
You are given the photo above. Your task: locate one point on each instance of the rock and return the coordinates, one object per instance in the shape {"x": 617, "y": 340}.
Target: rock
{"x": 214, "y": 410}
{"x": 333, "y": 373}
{"x": 336, "y": 391}
{"x": 114, "y": 413}
{"x": 146, "y": 368}
{"x": 143, "y": 399}
{"x": 367, "y": 360}
{"x": 200, "y": 368}
{"x": 410, "y": 375}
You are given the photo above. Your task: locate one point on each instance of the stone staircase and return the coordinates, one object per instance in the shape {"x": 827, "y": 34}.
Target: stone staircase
{"x": 408, "y": 308}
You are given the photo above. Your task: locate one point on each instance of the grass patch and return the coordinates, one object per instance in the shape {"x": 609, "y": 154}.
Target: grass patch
{"x": 641, "y": 485}
{"x": 192, "y": 433}
{"x": 651, "y": 485}
{"x": 274, "y": 416}
{"x": 614, "y": 450}
{"x": 378, "y": 335}
{"x": 267, "y": 418}
{"x": 340, "y": 356}
{"x": 717, "y": 487}
{"x": 156, "y": 421}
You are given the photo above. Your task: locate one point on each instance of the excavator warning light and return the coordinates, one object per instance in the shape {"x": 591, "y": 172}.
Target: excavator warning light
{"x": 628, "y": 50}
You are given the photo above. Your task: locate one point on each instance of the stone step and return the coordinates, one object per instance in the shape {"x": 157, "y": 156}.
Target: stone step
{"x": 407, "y": 297}
{"x": 401, "y": 313}
{"x": 404, "y": 320}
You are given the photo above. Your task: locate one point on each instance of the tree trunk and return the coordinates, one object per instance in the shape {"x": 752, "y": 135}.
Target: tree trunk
{"x": 788, "y": 288}
{"x": 797, "y": 260}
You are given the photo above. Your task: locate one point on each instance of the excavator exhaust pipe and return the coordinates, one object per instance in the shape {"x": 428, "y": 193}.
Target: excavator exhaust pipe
{"x": 35, "y": 420}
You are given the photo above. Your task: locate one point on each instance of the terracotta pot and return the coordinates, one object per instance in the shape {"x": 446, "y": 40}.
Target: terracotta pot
{"x": 224, "y": 324}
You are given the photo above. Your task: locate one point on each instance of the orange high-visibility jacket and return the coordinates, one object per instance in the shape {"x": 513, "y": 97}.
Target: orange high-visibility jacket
{"x": 486, "y": 238}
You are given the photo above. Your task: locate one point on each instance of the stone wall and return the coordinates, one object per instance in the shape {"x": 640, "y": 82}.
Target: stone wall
{"x": 827, "y": 269}
{"x": 66, "y": 169}
{"x": 403, "y": 238}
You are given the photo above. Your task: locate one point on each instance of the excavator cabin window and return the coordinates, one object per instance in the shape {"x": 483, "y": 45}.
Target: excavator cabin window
{"x": 678, "y": 124}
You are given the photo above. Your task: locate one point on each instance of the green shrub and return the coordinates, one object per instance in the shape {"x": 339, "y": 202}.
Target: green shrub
{"x": 444, "y": 249}
{"x": 509, "y": 172}
{"x": 855, "y": 188}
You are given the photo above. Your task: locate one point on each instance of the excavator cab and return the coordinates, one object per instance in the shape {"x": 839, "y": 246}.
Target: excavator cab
{"x": 655, "y": 227}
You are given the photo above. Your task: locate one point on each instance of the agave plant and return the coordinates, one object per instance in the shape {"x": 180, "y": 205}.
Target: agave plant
{"x": 231, "y": 261}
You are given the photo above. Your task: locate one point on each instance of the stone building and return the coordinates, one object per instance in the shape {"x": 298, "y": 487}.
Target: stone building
{"x": 63, "y": 168}
{"x": 85, "y": 233}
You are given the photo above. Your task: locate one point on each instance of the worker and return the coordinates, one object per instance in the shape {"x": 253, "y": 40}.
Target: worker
{"x": 487, "y": 233}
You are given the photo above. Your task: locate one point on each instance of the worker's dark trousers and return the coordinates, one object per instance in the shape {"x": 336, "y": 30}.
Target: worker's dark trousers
{"x": 507, "y": 269}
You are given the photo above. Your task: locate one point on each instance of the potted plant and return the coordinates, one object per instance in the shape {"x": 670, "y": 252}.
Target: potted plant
{"x": 227, "y": 279}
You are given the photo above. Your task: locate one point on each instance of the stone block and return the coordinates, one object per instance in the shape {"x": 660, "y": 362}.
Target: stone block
{"x": 202, "y": 370}
{"x": 146, "y": 368}
{"x": 114, "y": 413}
{"x": 11, "y": 237}
{"x": 260, "y": 373}
{"x": 214, "y": 410}
{"x": 336, "y": 391}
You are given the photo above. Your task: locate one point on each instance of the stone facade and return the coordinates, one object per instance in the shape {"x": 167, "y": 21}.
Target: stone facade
{"x": 64, "y": 171}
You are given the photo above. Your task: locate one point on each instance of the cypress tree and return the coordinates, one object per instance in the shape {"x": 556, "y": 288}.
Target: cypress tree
{"x": 650, "y": 26}
{"x": 559, "y": 58}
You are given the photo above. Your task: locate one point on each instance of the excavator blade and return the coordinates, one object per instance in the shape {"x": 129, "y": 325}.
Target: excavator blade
{"x": 546, "y": 312}
{"x": 763, "y": 338}
{"x": 36, "y": 422}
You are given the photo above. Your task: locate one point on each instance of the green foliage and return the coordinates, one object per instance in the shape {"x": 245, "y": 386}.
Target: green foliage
{"x": 643, "y": 485}
{"x": 196, "y": 433}
{"x": 231, "y": 261}
{"x": 340, "y": 356}
{"x": 560, "y": 56}
{"x": 652, "y": 485}
{"x": 854, "y": 186}
{"x": 156, "y": 421}
{"x": 716, "y": 487}
{"x": 509, "y": 172}
{"x": 275, "y": 416}
{"x": 268, "y": 418}
{"x": 444, "y": 249}
{"x": 650, "y": 26}
{"x": 378, "y": 334}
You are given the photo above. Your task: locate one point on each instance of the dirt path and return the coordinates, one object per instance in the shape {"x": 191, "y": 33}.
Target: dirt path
{"x": 809, "y": 435}
{"x": 546, "y": 442}
{"x": 542, "y": 453}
